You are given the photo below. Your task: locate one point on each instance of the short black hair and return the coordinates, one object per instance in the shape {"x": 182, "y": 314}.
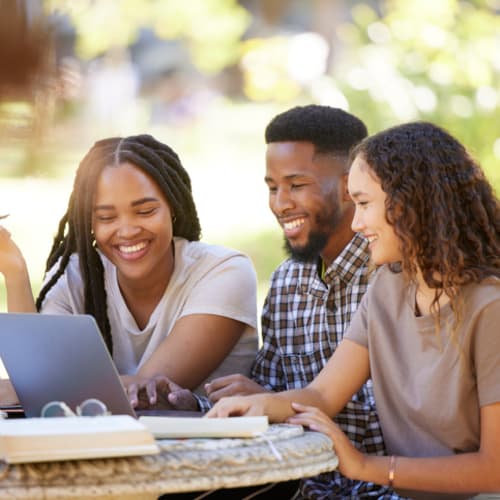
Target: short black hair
{"x": 331, "y": 130}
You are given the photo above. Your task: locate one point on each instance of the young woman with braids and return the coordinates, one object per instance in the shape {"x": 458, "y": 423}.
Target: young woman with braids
{"x": 427, "y": 331}
{"x": 127, "y": 252}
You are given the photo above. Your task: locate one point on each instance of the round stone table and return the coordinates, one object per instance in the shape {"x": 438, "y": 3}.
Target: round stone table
{"x": 284, "y": 452}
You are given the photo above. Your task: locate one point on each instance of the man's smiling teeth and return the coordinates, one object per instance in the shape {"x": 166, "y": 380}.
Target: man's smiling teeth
{"x": 132, "y": 248}
{"x": 293, "y": 224}
{"x": 371, "y": 238}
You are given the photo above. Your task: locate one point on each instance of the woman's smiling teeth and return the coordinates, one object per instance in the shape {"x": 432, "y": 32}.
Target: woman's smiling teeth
{"x": 132, "y": 248}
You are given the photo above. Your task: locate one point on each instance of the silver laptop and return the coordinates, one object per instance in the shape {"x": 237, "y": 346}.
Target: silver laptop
{"x": 59, "y": 358}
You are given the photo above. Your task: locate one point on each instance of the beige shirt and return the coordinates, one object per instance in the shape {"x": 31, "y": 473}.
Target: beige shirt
{"x": 428, "y": 397}
{"x": 207, "y": 279}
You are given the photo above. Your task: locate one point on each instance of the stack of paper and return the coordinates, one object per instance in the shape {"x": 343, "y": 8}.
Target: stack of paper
{"x": 193, "y": 427}
{"x": 69, "y": 438}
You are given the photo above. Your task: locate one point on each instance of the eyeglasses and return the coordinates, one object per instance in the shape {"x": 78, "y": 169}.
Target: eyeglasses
{"x": 89, "y": 408}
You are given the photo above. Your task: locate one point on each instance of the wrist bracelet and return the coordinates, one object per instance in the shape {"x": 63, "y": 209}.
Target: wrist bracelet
{"x": 392, "y": 470}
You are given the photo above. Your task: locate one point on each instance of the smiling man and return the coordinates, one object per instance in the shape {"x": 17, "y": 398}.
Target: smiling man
{"x": 315, "y": 292}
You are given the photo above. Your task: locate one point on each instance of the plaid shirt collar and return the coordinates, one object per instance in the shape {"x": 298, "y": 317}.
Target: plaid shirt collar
{"x": 346, "y": 267}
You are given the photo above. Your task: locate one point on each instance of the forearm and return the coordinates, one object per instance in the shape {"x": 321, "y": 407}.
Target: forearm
{"x": 19, "y": 292}
{"x": 344, "y": 373}
{"x": 15, "y": 271}
{"x": 464, "y": 473}
{"x": 193, "y": 349}
{"x": 278, "y": 406}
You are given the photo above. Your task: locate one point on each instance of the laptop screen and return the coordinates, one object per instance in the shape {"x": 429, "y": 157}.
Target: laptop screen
{"x": 59, "y": 358}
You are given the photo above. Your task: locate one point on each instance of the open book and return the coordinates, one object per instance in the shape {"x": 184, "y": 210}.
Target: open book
{"x": 194, "y": 427}
{"x": 70, "y": 438}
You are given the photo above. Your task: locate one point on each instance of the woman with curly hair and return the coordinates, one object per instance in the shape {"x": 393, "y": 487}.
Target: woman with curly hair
{"x": 127, "y": 252}
{"x": 426, "y": 331}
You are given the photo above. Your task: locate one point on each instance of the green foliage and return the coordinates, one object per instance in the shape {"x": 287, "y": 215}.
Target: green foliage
{"x": 266, "y": 249}
{"x": 211, "y": 28}
{"x": 434, "y": 60}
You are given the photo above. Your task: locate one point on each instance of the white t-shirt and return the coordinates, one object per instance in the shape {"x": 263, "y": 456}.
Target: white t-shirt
{"x": 207, "y": 279}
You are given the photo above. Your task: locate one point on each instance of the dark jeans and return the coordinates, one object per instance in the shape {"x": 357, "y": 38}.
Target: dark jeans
{"x": 274, "y": 491}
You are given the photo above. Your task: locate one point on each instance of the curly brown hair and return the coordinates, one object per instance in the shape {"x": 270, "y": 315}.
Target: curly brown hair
{"x": 441, "y": 205}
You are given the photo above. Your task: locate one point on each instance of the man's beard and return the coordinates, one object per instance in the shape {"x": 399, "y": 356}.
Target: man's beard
{"x": 326, "y": 225}
{"x": 311, "y": 250}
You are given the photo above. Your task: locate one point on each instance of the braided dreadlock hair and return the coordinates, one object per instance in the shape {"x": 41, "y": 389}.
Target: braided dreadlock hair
{"x": 74, "y": 233}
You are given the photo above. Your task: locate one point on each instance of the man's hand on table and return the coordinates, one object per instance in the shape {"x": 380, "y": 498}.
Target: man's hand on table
{"x": 231, "y": 385}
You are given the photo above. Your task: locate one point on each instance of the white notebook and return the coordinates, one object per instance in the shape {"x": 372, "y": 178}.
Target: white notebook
{"x": 195, "y": 427}
{"x": 71, "y": 438}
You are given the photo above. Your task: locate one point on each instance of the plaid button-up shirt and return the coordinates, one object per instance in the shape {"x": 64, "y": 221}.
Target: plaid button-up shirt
{"x": 303, "y": 321}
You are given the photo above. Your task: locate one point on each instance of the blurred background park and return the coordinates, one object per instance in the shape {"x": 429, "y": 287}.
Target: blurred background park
{"x": 206, "y": 76}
